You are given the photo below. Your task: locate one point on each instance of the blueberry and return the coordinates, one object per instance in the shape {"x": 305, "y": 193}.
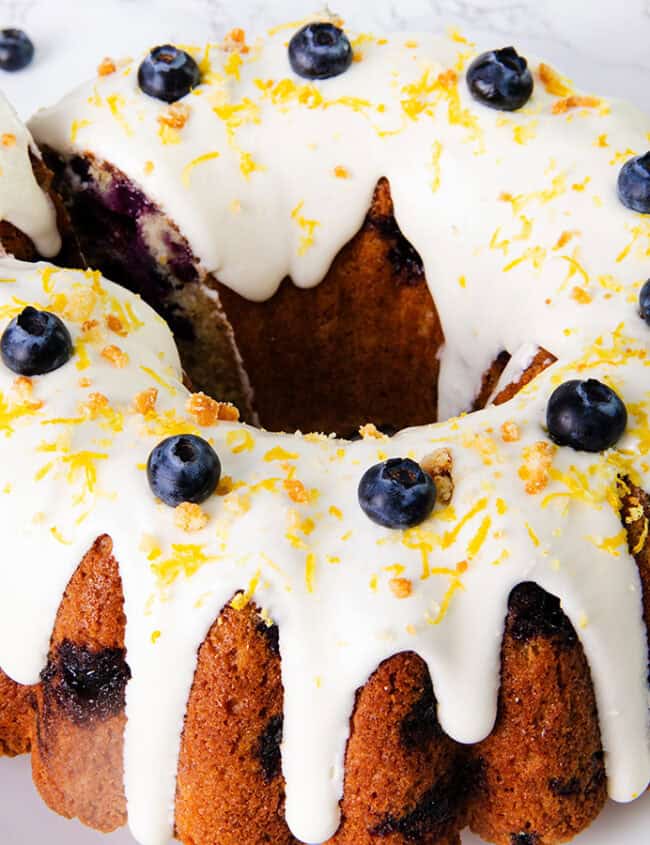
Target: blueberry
{"x": 644, "y": 302}
{"x": 586, "y": 415}
{"x": 634, "y": 184}
{"x": 168, "y": 73}
{"x": 183, "y": 468}
{"x": 397, "y": 493}
{"x": 320, "y": 51}
{"x": 35, "y": 343}
{"x": 16, "y": 49}
{"x": 500, "y": 79}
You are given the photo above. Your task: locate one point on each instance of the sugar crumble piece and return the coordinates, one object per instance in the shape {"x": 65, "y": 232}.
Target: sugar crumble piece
{"x": 401, "y": 588}
{"x": 341, "y": 172}
{"x": 145, "y": 401}
{"x": 190, "y": 517}
{"x": 8, "y": 140}
{"x": 438, "y": 465}
{"x": 115, "y": 356}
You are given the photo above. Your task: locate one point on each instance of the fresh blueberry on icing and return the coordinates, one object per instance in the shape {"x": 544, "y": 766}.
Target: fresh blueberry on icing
{"x": 319, "y": 51}
{"x": 500, "y": 79}
{"x": 168, "y": 73}
{"x": 586, "y": 415}
{"x": 35, "y": 343}
{"x": 16, "y": 49}
{"x": 634, "y": 184}
{"x": 397, "y": 493}
{"x": 183, "y": 468}
{"x": 644, "y": 302}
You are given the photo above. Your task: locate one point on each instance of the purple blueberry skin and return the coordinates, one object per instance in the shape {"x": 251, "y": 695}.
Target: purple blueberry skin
{"x": 168, "y": 74}
{"x": 16, "y": 50}
{"x": 320, "y": 51}
{"x": 500, "y": 79}
{"x": 586, "y": 415}
{"x": 35, "y": 343}
{"x": 397, "y": 493}
{"x": 634, "y": 184}
{"x": 183, "y": 468}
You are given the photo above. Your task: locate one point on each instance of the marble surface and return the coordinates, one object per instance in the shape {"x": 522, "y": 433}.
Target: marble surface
{"x": 600, "y": 44}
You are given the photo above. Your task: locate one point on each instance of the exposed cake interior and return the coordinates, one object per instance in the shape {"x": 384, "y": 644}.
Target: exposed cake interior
{"x": 362, "y": 346}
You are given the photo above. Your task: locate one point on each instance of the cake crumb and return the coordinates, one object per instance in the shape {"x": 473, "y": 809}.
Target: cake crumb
{"x": 91, "y": 331}
{"x": 401, "y": 588}
{"x": 115, "y": 356}
{"x": 96, "y": 404}
{"x": 369, "y": 431}
{"x": 439, "y": 465}
{"x": 190, "y": 517}
{"x": 145, "y": 401}
{"x": 538, "y": 460}
{"x": 510, "y": 432}
{"x": 106, "y": 67}
{"x": 80, "y": 305}
{"x": 175, "y": 116}
{"x": 207, "y": 411}
{"x": 236, "y": 40}
{"x": 8, "y": 140}
{"x": 115, "y": 325}
{"x": 341, "y": 172}
{"x": 23, "y": 389}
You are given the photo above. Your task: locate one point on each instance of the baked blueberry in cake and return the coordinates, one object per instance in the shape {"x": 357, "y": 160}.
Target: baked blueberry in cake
{"x": 231, "y": 634}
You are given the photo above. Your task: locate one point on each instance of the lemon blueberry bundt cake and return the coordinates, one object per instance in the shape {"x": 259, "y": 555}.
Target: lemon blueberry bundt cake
{"x": 230, "y": 635}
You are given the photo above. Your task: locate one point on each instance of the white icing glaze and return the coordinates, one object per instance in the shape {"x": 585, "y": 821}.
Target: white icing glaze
{"x": 515, "y": 217}
{"x": 22, "y": 202}
{"x": 450, "y": 162}
{"x": 340, "y": 622}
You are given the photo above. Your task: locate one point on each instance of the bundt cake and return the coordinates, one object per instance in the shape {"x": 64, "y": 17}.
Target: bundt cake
{"x": 236, "y": 636}
{"x": 33, "y": 221}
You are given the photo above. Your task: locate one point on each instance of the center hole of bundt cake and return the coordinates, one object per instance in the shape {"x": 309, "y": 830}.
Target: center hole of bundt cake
{"x": 361, "y": 346}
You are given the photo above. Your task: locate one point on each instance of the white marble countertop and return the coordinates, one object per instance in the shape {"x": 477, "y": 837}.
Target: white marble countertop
{"x": 601, "y": 45}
